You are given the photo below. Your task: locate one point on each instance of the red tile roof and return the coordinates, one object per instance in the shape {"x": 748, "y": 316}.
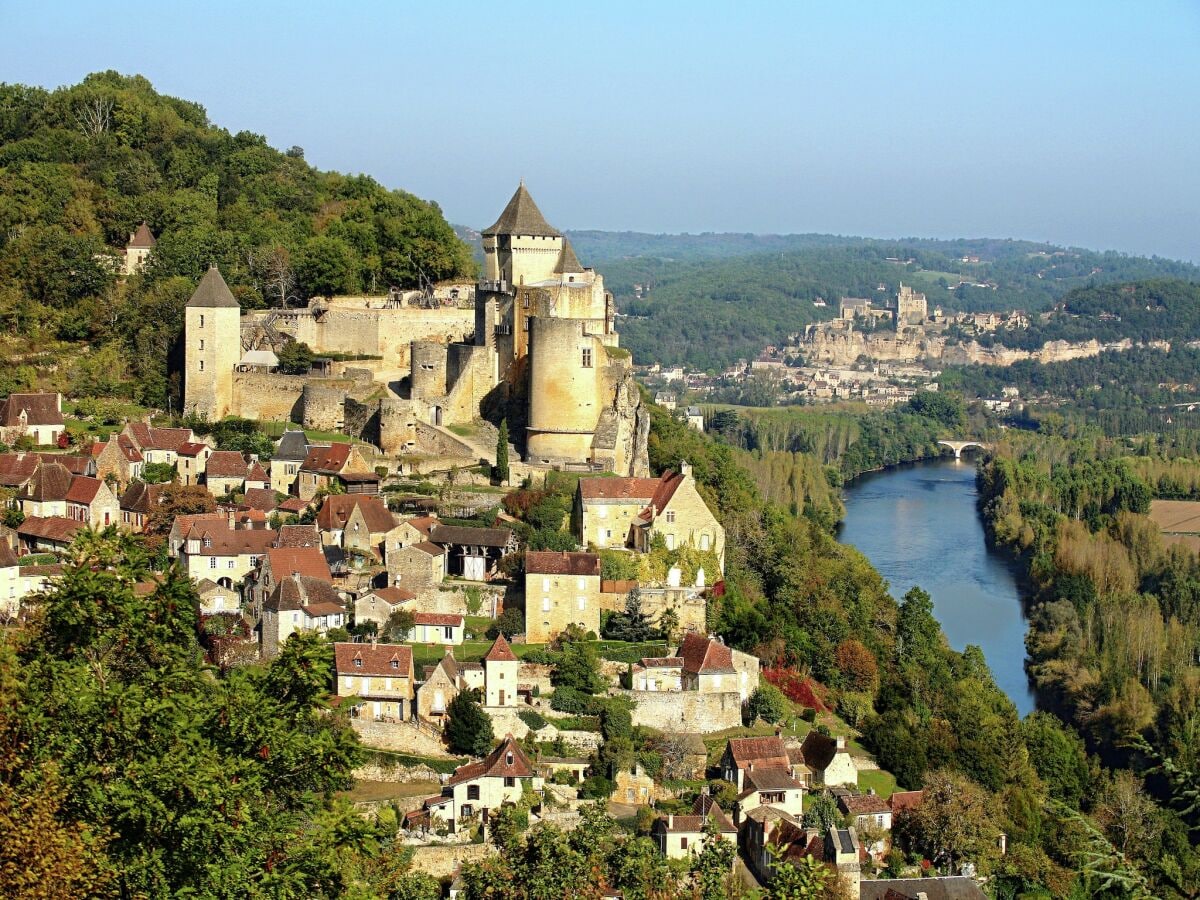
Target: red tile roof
{"x": 704, "y": 656}
{"x": 442, "y": 619}
{"x": 562, "y": 562}
{"x": 327, "y": 460}
{"x": 632, "y": 489}
{"x": 431, "y": 549}
{"x": 150, "y": 438}
{"x": 225, "y": 464}
{"x": 423, "y": 524}
{"x": 17, "y": 468}
{"x": 392, "y": 595}
{"x": 191, "y": 448}
{"x": 257, "y": 473}
{"x": 287, "y": 561}
{"x": 762, "y": 751}
{"x": 50, "y": 482}
{"x": 294, "y": 505}
{"x": 51, "y": 528}
{"x": 336, "y": 511}
{"x": 376, "y": 660}
{"x": 225, "y": 541}
{"x": 39, "y": 409}
{"x": 497, "y": 764}
{"x": 317, "y": 596}
{"x": 904, "y": 800}
{"x": 864, "y": 804}
{"x": 501, "y": 651}
{"x": 260, "y": 498}
{"x": 83, "y": 490}
{"x": 298, "y": 536}
{"x": 75, "y": 463}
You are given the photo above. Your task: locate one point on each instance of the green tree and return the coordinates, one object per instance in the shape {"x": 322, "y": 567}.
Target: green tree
{"x": 822, "y": 812}
{"x": 501, "y": 470}
{"x": 766, "y": 703}
{"x": 399, "y": 625}
{"x": 326, "y": 267}
{"x": 805, "y": 879}
{"x": 470, "y": 727}
{"x": 295, "y": 358}
{"x": 1058, "y": 755}
{"x": 578, "y": 668}
{"x": 712, "y": 867}
{"x": 158, "y": 473}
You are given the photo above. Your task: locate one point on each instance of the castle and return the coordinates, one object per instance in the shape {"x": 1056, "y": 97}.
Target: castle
{"x": 533, "y": 342}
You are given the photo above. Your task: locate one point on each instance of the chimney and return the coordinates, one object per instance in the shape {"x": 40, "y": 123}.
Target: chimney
{"x": 840, "y": 740}
{"x": 670, "y": 820}
{"x": 685, "y": 468}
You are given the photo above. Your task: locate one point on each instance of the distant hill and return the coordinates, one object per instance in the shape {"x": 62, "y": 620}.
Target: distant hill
{"x": 707, "y": 300}
{"x": 82, "y": 166}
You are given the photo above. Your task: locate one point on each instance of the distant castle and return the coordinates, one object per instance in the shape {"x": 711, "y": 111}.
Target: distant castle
{"x": 541, "y": 351}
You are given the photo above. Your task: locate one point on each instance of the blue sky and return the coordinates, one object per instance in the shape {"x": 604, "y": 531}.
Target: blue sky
{"x": 1074, "y": 122}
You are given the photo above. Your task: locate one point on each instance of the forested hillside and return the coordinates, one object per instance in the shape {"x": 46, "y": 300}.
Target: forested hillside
{"x": 705, "y": 309}
{"x": 81, "y": 166}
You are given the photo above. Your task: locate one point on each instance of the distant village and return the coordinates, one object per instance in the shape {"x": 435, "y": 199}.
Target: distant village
{"x": 378, "y": 521}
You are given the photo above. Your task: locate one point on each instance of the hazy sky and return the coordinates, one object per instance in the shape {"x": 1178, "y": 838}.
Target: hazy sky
{"x": 1073, "y": 122}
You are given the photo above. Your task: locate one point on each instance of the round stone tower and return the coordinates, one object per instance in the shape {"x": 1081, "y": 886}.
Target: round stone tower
{"x": 564, "y": 388}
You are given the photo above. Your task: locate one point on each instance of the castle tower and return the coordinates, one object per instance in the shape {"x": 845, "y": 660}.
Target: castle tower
{"x": 500, "y": 669}
{"x": 522, "y": 247}
{"x": 565, "y": 384}
{"x": 212, "y": 346}
{"x": 137, "y": 251}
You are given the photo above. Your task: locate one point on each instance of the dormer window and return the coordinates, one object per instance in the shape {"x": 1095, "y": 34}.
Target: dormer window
{"x": 395, "y": 663}
{"x": 208, "y": 542}
{"x": 508, "y": 758}
{"x": 358, "y": 664}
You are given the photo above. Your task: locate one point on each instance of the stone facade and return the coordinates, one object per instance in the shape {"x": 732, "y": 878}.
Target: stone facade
{"x": 561, "y": 589}
{"x": 691, "y": 711}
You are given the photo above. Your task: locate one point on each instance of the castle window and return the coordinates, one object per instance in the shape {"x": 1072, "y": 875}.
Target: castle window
{"x": 201, "y": 365}
{"x": 201, "y": 320}
{"x": 527, "y": 318}
{"x": 201, "y": 343}
{"x": 545, "y": 604}
{"x": 587, "y": 357}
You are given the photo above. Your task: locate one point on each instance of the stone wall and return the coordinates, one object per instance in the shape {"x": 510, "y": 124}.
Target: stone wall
{"x": 691, "y": 711}
{"x": 403, "y": 737}
{"x": 441, "y": 861}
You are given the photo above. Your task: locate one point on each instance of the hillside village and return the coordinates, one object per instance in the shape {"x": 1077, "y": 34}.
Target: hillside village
{"x": 517, "y": 624}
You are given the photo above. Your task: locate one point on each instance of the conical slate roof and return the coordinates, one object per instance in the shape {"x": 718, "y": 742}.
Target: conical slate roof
{"x": 142, "y": 239}
{"x": 212, "y": 291}
{"x": 522, "y": 216}
{"x": 568, "y": 262}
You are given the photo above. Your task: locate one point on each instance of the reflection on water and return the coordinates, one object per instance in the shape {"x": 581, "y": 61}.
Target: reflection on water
{"x": 919, "y": 526}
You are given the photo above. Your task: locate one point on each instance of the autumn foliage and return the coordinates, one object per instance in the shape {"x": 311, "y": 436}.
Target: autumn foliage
{"x": 857, "y": 664}
{"x": 796, "y": 687}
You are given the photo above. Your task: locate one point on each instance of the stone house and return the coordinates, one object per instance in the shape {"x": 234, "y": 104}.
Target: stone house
{"x": 280, "y": 563}
{"x": 658, "y": 674}
{"x": 380, "y": 676}
{"x": 355, "y": 522}
{"x": 47, "y": 534}
{"x": 769, "y": 786}
{"x": 35, "y": 416}
{"x": 91, "y": 501}
{"x": 181, "y": 525}
{"x": 477, "y": 788}
{"x": 263, "y": 499}
{"x": 710, "y": 666}
{"x": 137, "y": 503}
{"x": 633, "y": 784}
{"x": 868, "y": 810}
{"x": 191, "y": 461}
{"x": 561, "y": 589}
{"x": 631, "y": 512}
{"x": 137, "y": 250}
{"x": 119, "y": 458}
{"x": 290, "y": 453}
{"x": 213, "y": 549}
{"x": 679, "y": 837}
{"x": 744, "y": 755}
{"x": 45, "y": 494}
{"x": 472, "y": 553}
{"x": 159, "y": 445}
{"x": 297, "y": 536}
{"x": 215, "y": 598}
{"x": 695, "y": 418}
{"x": 416, "y": 567}
{"x": 767, "y": 827}
{"x": 437, "y": 628}
{"x": 500, "y": 671}
{"x": 408, "y": 532}
{"x": 225, "y": 472}
{"x": 16, "y": 469}
{"x": 299, "y": 603}
{"x": 377, "y": 604}
{"x": 575, "y": 766}
{"x": 334, "y": 462}
{"x": 829, "y": 759}
{"x": 10, "y": 584}
{"x": 443, "y": 683}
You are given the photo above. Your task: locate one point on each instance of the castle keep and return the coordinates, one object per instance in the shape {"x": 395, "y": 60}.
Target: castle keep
{"x": 533, "y": 342}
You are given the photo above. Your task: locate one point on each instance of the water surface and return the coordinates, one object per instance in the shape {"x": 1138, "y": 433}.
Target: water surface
{"x": 918, "y": 524}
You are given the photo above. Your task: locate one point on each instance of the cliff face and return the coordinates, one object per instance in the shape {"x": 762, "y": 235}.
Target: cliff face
{"x": 841, "y": 347}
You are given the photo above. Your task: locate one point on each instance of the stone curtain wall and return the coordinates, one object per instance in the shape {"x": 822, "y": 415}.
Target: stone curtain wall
{"x": 686, "y": 710}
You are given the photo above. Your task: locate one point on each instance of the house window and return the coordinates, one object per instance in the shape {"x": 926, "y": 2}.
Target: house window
{"x": 545, "y": 584}
{"x": 670, "y": 542}
{"x": 201, "y": 343}
{"x": 587, "y": 357}
{"x": 395, "y": 663}
{"x": 449, "y": 633}
{"x": 509, "y": 781}
{"x": 580, "y": 583}
{"x": 253, "y": 561}
{"x": 472, "y": 792}
{"x": 704, "y": 542}
{"x": 201, "y": 321}
{"x": 582, "y": 602}
{"x": 358, "y": 664}
{"x": 683, "y": 843}
{"x": 670, "y": 517}
{"x": 527, "y": 320}
{"x": 508, "y": 758}
{"x": 212, "y": 562}
{"x": 545, "y": 604}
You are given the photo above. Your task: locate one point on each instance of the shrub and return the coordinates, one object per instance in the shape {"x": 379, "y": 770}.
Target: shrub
{"x": 570, "y": 700}
{"x": 766, "y": 703}
{"x": 508, "y": 623}
{"x": 470, "y": 728}
{"x": 596, "y": 787}
{"x": 532, "y": 718}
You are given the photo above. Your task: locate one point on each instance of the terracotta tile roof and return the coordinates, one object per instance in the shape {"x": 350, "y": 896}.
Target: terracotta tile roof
{"x": 442, "y": 619}
{"x": 49, "y": 483}
{"x": 522, "y": 216}
{"x": 150, "y": 438}
{"x": 423, "y": 524}
{"x": 762, "y": 751}
{"x": 260, "y": 498}
{"x": 39, "y": 409}
{"x": 704, "y": 656}
{"x": 75, "y": 463}
{"x": 327, "y": 460}
{"x": 632, "y": 489}
{"x": 556, "y": 562}
{"x": 191, "y": 448}
{"x": 661, "y": 662}
{"x": 501, "y": 651}
{"x": 480, "y": 537}
{"x": 376, "y": 660}
{"x": 308, "y": 561}
{"x": 294, "y": 505}
{"x": 128, "y": 449}
{"x": 83, "y": 490}
{"x": 903, "y": 800}
{"x": 58, "y": 529}
{"x": 225, "y": 541}
{"x": 257, "y": 472}
{"x": 225, "y": 464}
{"x": 49, "y": 571}
{"x": 392, "y": 595}
{"x": 771, "y": 778}
{"x": 680, "y": 824}
{"x": 335, "y": 512}
{"x": 431, "y": 549}
{"x": 863, "y": 804}
{"x": 496, "y": 764}
{"x": 704, "y": 805}
{"x": 17, "y": 468}
{"x": 294, "y": 592}
{"x": 318, "y": 608}
{"x": 8, "y": 558}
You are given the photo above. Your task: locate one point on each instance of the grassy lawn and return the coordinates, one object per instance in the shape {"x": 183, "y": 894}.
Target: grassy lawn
{"x": 441, "y": 765}
{"x": 474, "y": 651}
{"x": 467, "y": 430}
{"x": 883, "y": 783}
{"x": 366, "y": 791}
{"x": 273, "y": 428}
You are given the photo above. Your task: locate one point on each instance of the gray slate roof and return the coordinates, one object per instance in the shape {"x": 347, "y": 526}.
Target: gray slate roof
{"x": 568, "y": 262}
{"x": 522, "y": 216}
{"x": 213, "y": 291}
{"x": 292, "y": 446}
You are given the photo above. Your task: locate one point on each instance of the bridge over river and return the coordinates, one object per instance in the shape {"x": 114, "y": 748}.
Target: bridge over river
{"x": 959, "y": 446}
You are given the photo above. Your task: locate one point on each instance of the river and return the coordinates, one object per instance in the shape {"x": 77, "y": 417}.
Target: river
{"x": 918, "y": 524}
